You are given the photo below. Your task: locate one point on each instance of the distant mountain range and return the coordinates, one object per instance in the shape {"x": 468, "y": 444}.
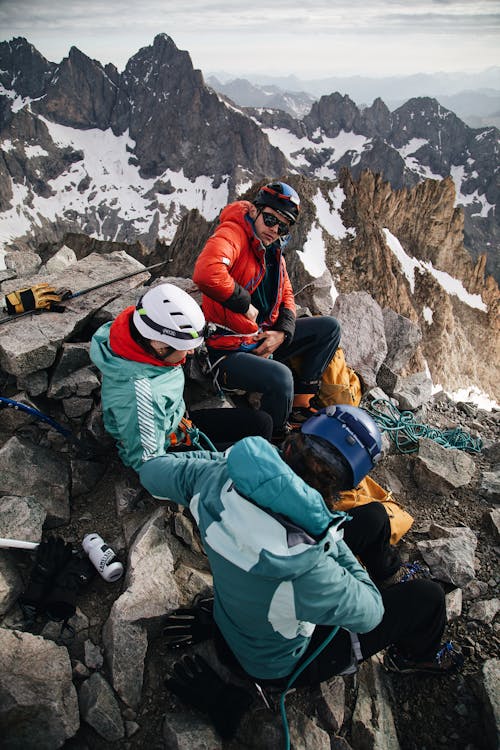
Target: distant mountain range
{"x": 474, "y": 97}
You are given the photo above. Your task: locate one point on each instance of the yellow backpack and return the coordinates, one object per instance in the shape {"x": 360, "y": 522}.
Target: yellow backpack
{"x": 369, "y": 491}
{"x": 339, "y": 383}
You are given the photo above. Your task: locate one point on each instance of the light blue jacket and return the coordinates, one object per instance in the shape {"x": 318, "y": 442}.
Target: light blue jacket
{"x": 277, "y": 556}
{"x": 142, "y": 404}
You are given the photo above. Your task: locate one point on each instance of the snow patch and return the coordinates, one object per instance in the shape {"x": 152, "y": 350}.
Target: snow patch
{"x": 427, "y": 315}
{"x": 329, "y": 216}
{"x": 451, "y": 285}
{"x": 313, "y": 253}
{"x": 475, "y": 396}
{"x": 112, "y": 181}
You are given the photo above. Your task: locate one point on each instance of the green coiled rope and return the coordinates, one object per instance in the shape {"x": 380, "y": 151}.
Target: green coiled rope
{"x": 405, "y": 431}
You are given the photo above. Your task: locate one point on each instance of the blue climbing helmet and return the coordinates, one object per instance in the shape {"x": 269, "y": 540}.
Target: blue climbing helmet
{"x": 352, "y": 432}
{"x": 282, "y": 198}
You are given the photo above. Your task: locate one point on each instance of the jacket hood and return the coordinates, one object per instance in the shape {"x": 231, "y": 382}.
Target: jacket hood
{"x": 239, "y": 213}
{"x": 116, "y": 354}
{"x": 111, "y": 364}
{"x": 259, "y": 473}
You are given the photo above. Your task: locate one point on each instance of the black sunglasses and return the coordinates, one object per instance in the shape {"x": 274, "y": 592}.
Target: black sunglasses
{"x": 270, "y": 220}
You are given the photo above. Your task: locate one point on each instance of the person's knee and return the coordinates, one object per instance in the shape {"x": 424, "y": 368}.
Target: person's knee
{"x": 373, "y": 516}
{"x": 263, "y": 424}
{"x": 279, "y": 380}
{"x": 330, "y": 327}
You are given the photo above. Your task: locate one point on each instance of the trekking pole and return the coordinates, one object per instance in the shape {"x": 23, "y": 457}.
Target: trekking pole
{"x": 74, "y": 295}
{"x": 112, "y": 281}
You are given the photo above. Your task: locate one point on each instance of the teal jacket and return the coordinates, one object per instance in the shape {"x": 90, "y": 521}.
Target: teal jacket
{"x": 142, "y": 404}
{"x": 278, "y": 560}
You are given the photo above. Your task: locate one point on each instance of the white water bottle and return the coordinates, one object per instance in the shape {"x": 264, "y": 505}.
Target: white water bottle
{"x": 102, "y": 557}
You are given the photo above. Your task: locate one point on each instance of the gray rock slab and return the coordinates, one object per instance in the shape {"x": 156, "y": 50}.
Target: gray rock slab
{"x": 151, "y": 592}
{"x": 373, "y": 725}
{"x": 21, "y": 517}
{"x": 450, "y": 554}
{"x": 11, "y": 584}
{"x": 363, "y": 334}
{"x": 402, "y": 336}
{"x": 39, "y": 707}
{"x": 490, "y": 486}
{"x": 489, "y": 688}
{"x": 442, "y": 469}
{"x": 413, "y": 391}
{"x": 31, "y": 343}
{"x": 38, "y": 472}
{"x": 99, "y": 708}
{"x": 183, "y": 731}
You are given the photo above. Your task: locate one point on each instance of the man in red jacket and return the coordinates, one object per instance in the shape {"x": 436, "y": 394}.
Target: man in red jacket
{"x": 247, "y": 294}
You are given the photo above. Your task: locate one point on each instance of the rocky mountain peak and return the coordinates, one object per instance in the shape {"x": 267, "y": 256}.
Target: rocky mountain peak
{"x": 332, "y": 113}
{"x": 22, "y": 67}
{"x": 80, "y": 94}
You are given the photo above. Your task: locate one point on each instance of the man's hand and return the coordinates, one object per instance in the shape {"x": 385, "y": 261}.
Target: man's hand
{"x": 270, "y": 341}
{"x": 251, "y": 313}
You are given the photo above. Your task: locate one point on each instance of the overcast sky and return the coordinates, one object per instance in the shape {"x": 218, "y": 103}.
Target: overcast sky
{"x": 308, "y": 38}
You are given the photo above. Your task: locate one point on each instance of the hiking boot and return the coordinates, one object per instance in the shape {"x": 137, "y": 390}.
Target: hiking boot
{"x": 406, "y": 572}
{"x": 299, "y": 415}
{"x": 447, "y": 660}
{"x": 304, "y": 407}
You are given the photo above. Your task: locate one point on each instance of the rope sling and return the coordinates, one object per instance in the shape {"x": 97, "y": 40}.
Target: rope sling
{"x": 405, "y": 431}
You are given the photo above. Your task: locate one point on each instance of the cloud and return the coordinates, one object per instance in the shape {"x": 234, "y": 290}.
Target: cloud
{"x": 291, "y": 35}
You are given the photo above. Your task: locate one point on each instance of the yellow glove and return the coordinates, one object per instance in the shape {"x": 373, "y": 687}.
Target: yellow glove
{"x": 37, "y": 297}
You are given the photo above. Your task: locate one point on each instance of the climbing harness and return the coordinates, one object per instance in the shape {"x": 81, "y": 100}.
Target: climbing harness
{"x": 193, "y": 437}
{"x": 405, "y": 431}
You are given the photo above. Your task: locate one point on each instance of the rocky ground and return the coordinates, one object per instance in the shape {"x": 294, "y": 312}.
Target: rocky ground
{"x": 105, "y": 685}
{"x": 429, "y": 712}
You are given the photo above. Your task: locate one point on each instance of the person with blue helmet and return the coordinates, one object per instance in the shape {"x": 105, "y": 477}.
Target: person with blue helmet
{"x": 287, "y": 569}
{"x": 248, "y": 297}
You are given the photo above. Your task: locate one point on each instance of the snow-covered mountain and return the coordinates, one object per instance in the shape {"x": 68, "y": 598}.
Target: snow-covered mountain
{"x": 92, "y": 158}
{"x": 124, "y": 156}
{"x": 246, "y": 94}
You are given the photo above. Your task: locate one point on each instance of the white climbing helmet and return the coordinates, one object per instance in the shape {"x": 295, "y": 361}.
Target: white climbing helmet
{"x": 168, "y": 314}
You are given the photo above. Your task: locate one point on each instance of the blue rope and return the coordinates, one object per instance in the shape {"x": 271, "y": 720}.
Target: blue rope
{"x": 405, "y": 431}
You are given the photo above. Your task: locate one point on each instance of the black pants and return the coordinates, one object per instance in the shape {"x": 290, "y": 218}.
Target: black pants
{"x": 414, "y": 617}
{"x": 225, "y": 426}
{"x": 316, "y": 339}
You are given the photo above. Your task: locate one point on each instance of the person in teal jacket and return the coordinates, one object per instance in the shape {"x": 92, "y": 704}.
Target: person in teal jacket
{"x": 140, "y": 355}
{"x": 285, "y": 567}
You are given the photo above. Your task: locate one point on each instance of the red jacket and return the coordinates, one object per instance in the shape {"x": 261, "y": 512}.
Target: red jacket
{"x": 228, "y": 270}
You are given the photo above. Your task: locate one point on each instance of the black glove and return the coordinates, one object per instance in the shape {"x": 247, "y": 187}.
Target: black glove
{"x": 197, "y": 684}
{"x": 52, "y": 556}
{"x": 184, "y": 627}
{"x": 61, "y": 601}
{"x": 36, "y": 297}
